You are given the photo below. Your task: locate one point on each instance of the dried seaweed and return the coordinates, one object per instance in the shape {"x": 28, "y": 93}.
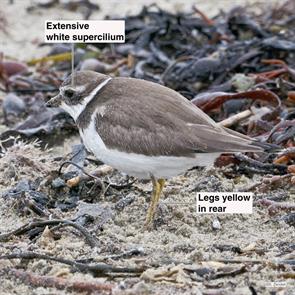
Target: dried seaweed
{"x": 35, "y": 280}
{"x": 97, "y": 269}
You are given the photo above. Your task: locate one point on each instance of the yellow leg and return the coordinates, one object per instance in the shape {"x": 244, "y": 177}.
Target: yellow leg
{"x": 157, "y": 189}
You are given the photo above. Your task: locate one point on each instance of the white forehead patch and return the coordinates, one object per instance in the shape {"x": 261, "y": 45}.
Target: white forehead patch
{"x": 76, "y": 110}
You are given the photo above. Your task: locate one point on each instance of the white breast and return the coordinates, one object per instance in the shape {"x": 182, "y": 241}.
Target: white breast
{"x": 141, "y": 166}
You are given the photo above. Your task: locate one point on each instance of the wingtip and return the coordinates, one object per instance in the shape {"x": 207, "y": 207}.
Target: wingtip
{"x": 267, "y": 147}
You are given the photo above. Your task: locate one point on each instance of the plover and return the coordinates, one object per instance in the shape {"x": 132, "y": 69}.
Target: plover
{"x": 145, "y": 129}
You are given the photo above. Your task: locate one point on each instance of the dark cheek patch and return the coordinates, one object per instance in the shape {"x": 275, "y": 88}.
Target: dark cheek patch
{"x": 76, "y": 99}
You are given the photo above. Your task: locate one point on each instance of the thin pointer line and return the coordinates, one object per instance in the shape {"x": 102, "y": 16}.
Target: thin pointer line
{"x": 73, "y": 63}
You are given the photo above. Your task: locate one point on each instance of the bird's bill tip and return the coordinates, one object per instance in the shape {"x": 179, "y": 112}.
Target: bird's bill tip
{"x": 54, "y": 102}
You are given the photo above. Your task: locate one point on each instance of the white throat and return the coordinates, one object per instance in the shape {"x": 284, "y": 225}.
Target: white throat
{"x": 76, "y": 110}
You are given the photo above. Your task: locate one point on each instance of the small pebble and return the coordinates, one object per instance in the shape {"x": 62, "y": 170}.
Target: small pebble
{"x": 12, "y": 104}
{"x": 122, "y": 203}
{"x": 92, "y": 64}
{"x": 216, "y": 224}
{"x": 58, "y": 182}
{"x": 242, "y": 82}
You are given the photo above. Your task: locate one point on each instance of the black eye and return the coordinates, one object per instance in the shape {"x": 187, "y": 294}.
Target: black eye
{"x": 69, "y": 93}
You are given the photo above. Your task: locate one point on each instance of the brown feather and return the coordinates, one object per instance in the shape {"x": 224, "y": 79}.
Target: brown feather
{"x": 146, "y": 118}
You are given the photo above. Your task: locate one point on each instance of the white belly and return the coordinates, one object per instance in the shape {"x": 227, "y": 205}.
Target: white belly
{"x": 142, "y": 166}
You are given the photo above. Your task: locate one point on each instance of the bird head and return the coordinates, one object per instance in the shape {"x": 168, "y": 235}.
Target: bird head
{"x": 77, "y": 91}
